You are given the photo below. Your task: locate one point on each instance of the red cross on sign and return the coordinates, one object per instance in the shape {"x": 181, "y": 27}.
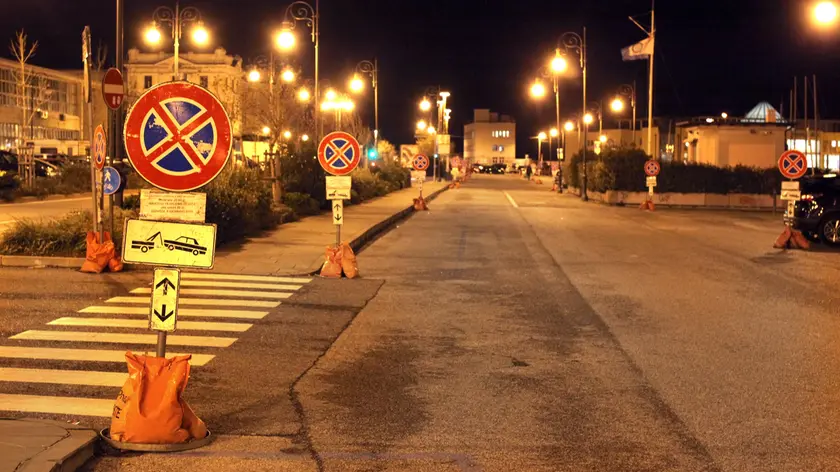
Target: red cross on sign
{"x": 652, "y": 168}
{"x": 793, "y": 164}
{"x": 339, "y": 153}
{"x": 178, "y": 136}
{"x": 420, "y": 162}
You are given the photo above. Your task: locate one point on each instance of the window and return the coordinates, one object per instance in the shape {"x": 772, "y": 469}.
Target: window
{"x": 495, "y": 147}
{"x": 147, "y": 81}
{"x": 203, "y": 81}
{"x": 501, "y": 148}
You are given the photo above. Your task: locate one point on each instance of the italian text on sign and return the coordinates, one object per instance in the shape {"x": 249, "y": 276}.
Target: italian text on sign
{"x": 338, "y": 187}
{"x": 650, "y": 181}
{"x": 165, "y": 206}
{"x": 169, "y": 244}
{"x": 165, "y": 300}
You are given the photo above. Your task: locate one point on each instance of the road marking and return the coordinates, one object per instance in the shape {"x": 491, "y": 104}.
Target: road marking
{"x": 190, "y": 312}
{"x": 57, "y": 405}
{"x": 67, "y": 377}
{"x": 144, "y": 324}
{"x": 255, "y": 278}
{"x": 511, "y": 200}
{"x": 200, "y": 301}
{"x": 122, "y": 338}
{"x": 84, "y": 355}
{"x": 229, "y": 293}
{"x": 216, "y": 283}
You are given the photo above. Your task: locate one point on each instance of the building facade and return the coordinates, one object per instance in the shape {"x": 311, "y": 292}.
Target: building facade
{"x": 46, "y": 114}
{"x": 218, "y": 72}
{"x": 490, "y": 138}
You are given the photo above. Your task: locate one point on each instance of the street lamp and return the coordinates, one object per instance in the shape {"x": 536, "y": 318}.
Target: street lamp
{"x": 425, "y": 104}
{"x": 287, "y": 134}
{"x": 254, "y": 75}
{"x": 357, "y": 84}
{"x": 176, "y": 19}
{"x": 304, "y": 12}
{"x": 266, "y": 130}
{"x": 569, "y": 126}
{"x": 330, "y": 95}
{"x": 577, "y": 43}
{"x": 540, "y": 138}
{"x": 597, "y": 107}
{"x": 304, "y": 137}
{"x": 421, "y": 125}
{"x": 825, "y": 13}
{"x": 537, "y": 89}
{"x": 553, "y": 133}
{"x": 288, "y": 75}
{"x": 304, "y": 95}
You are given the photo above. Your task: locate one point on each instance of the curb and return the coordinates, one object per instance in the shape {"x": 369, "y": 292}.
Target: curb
{"x": 68, "y": 454}
{"x": 38, "y": 261}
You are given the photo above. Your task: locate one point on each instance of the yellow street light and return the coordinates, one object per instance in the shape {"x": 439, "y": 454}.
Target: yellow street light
{"x": 254, "y": 75}
{"x": 287, "y": 134}
{"x": 303, "y": 95}
{"x": 825, "y": 13}
{"x": 421, "y": 125}
{"x": 558, "y": 63}
{"x": 328, "y": 105}
{"x": 569, "y": 126}
{"x": 602, "y": 138}
{"x": 285, "y": 39}
{"x": 356, "y": 84}
{"x": 431, "y": 130}
{"x": 200, "y": 35}
{"x": 617, "y": 105}
{"x": 152, "y": 34}
{"x": 304, "y": 137}
{"x": 266, "y": 130}
{"x": 724, "y": 115}
{"x": 542, "y": 136}
{"x": 347, "y": 105}
{"x": 553, "y": 132}
{"x": 588, "y": 119}
{"x": 425, "y": 105}
{"x": 288, "y": 75}
{"x": 537, "y": 89}
{"x": 330, "y": 95}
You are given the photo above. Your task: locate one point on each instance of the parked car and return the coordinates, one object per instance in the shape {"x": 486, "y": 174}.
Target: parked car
{"x": 817, "y": 212}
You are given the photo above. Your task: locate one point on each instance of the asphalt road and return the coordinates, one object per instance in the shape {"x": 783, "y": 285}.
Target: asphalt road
{"x": 43, "y": 209}
{"x": 508, "y": 329}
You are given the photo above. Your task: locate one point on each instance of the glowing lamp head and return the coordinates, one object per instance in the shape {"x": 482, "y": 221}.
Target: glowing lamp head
{"x": 152, "y": 34}
{"x": 304, "y": 95}
{"x": 421, "y": 125}
{"x": 558, "y": 64}
{"x": 569, "y": 126}
{"x": 724, "y": 115}
{"x": 542, "y": 136}
{"x": 588, "y": 119}
{"x": 537, "y": 89}
{"x": 330, "y": 95}
{"x": 425, "y": 105}
{"x": 617, "y": 105}
{"x": 356, "y": 84}
{"x": 304, "y": 137}
{"x": 200, "y": 35}
{"x": 431, "y": 130}
{"x": 553, "y": 132}
{"x": 287, "y": 134}
{"x": 825, "y": 13}
{"x": 266, "y": 130}
{"x": 288, "y": 75}
{"x": 254, "y": 75}
{"x": 285, "y": 39}
{"x": 602, "y": 138}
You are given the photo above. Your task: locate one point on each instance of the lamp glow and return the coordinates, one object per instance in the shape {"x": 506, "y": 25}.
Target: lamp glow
{"x": 200, "y": 35}
{"x": 288, "y": 75}
{"x": 569, "y": 126}
{"x": 425, "y": 105}
{"x": 285, "y": 39}
{"x": 152, "y": 35}
{"x": 537, "y": 89}
{"x": 254, "y": 75}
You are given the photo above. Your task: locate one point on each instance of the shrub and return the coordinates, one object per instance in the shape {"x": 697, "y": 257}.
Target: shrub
{"x": 396, "y": 175}
{"x": 74, "y": 178}
{"x": 365, "y": 184}
{"x": 131, "y": 202}
{"x": 239, "y": 203}
{"x": 9, "y": 184}
{"x": 301, "y": 203}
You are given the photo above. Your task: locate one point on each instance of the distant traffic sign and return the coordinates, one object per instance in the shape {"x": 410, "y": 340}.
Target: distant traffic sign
{"x": 169, "y": 243}
{"x": 456, "y": 162}
{"x": 420, "y": 162}
{"x": 113, "y": 88}
{"x": 339, "y": 153}
{"x": 164, "y": 312}
{"x": 110, "y": 180}
{"x": 652, "y": 168}
{"x": 99, "y": 148}
{"x": 793, "y": 164}
{"x": 178, "y": 136}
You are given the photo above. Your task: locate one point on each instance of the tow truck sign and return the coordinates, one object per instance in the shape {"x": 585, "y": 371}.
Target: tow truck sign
{"x": 165, "y": 243}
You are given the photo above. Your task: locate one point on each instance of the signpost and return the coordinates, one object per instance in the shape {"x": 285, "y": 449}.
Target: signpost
{"x": 113, "y": 88}
{"x": 420, "y": 163}
{"x": 339, "y": 153}
{"x": 793, "y": 165}
{"x": 178, "y": 138}
{"x": 652, "y": 169}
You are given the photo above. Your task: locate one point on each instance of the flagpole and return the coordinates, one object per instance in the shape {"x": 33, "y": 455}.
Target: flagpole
{"x": 650, "y": 85}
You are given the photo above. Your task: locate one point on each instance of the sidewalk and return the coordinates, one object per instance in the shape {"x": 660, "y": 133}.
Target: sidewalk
{"x": 298, "y": 247}
{"x": 30, "y": 445}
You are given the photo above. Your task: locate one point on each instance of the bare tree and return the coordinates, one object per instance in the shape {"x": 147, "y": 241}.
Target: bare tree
{"x": 351, "y": 122}
{"x": 101, "y": 56}
{"x": 33, "y": 91}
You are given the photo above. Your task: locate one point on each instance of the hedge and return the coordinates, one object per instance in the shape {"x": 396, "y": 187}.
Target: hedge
{"x": 622, "y": 170}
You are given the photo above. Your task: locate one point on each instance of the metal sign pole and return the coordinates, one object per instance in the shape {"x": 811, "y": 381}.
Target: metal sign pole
{"x": 86, "y": 90}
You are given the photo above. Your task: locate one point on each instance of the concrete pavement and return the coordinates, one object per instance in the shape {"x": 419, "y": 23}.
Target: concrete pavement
{"x": 11, "y": 212}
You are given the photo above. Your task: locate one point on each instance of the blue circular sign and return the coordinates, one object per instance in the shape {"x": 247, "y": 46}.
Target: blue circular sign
{"x": 111, "y": 180}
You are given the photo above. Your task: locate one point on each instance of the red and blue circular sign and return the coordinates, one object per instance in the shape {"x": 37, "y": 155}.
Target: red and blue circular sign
{"x": 339, "y": 153}
{"x": 420, "y": 162}
{"x": 178, "y": 136}
{"x": 99, "y": 148}
{"x": 793, "y": 164}
{"x": 652, "y": 168}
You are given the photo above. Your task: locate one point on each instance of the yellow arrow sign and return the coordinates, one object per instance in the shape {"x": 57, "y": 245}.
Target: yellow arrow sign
{"x": 165, "y": 299}
{"x": 169, "y": 244}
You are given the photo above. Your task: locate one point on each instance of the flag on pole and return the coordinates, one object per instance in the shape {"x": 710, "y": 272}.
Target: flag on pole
{"x": 641, "y": 50}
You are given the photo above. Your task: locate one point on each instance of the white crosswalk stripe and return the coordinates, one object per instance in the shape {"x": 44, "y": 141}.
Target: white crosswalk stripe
{"x": 235, "y": 300}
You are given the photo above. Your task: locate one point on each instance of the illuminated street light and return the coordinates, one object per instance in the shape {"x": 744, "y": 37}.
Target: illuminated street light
{"x": 617, "y": 105}
{"x": 254, "y": 75}
{"x": 602, "y": 138}
{"x": 287, "y": 134}
{"x": 421, "y": 125}
{"x": 558, "y": 63}
{"x": 588, "y": 119}
{"x": 303, "y": 95}
{"x": 330, "y": 95}
{"x": 569, "y": 126}
{"x": 356, "y": 84}
{"x": 553, "y": 132}
{"x": 304, "y": 137}
{"x": 176, "y": 19}
{"x": 537, "y": 90}
{"x": 152, "y": 34}
{"x": 425, "y": 104}
{"x": 200, "y": 35}
{"x": 288, "y": 75}
{"x": 430, "y": 130}
{"x": 542, "y": 136}
{"x": 724, "y": 115}
{"x": 266, "y": 130}
{"x": 285, "y": 39}
{"x": 825, "y": 13}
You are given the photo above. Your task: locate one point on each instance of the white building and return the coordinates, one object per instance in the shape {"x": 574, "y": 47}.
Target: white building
{"x": 490, "y": 138}
{"x": 218, "y": 71}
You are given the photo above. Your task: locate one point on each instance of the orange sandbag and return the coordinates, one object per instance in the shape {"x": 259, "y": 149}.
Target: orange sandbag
{"x": 348, "y": 261}
{"x": 149, "y": 408}
{"x": 332, "y": 263}
{"x": 115, "y": 264}
{"x": 98, "y": 255}
{"x": 420, "y": 204}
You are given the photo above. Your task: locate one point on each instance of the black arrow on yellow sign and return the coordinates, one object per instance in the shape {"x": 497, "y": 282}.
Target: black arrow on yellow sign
{"x": 165, "y": 315}
{"x": 166, "y": 284}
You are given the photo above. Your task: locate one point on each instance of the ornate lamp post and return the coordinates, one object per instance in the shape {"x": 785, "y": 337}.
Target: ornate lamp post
{"x": 304, "y": 12}
{"x": 577, "y": 43}
{"x": 176, "y": 19}
{"x": 356, "y": 85}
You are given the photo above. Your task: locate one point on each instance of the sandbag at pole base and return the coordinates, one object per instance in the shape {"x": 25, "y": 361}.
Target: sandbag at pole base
{"x": 420, "y": 204}
{"x": 791, "y": 239}
{"x": 340, "y": 261}
{"x": 647, "y": 205}
{"x": 149, "y": 408}
{"x": 99, "y": 256}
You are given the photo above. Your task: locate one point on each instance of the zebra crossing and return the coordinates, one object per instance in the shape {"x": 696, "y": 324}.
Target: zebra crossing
{"x": 217, "y": 309}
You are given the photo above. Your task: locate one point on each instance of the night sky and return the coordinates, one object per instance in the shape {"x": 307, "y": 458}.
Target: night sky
{"x": 711, "y": 56}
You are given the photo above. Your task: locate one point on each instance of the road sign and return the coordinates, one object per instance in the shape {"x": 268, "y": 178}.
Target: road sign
{"x": 338, "y": 212}
{"x": 790, "y": 190}
{"x": 793, "y": 164}
{"x": 110, "y": 180}
{"x": 99, "y": 148}
{"x": 650, "y": 181}
{"x": 113, "y": 89}
{"x": 420, "y": 162}
{"x": 164, "y": 312}
{"x": 169, "y": 244}
{"x": 652, "y": 168}
{"x": 178, "y": 136}
{"x": 339, "y": 153}
{"x": 418, "y": 175}
{"x": 338, "y": 187}
{"x": 165, "y": 206}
